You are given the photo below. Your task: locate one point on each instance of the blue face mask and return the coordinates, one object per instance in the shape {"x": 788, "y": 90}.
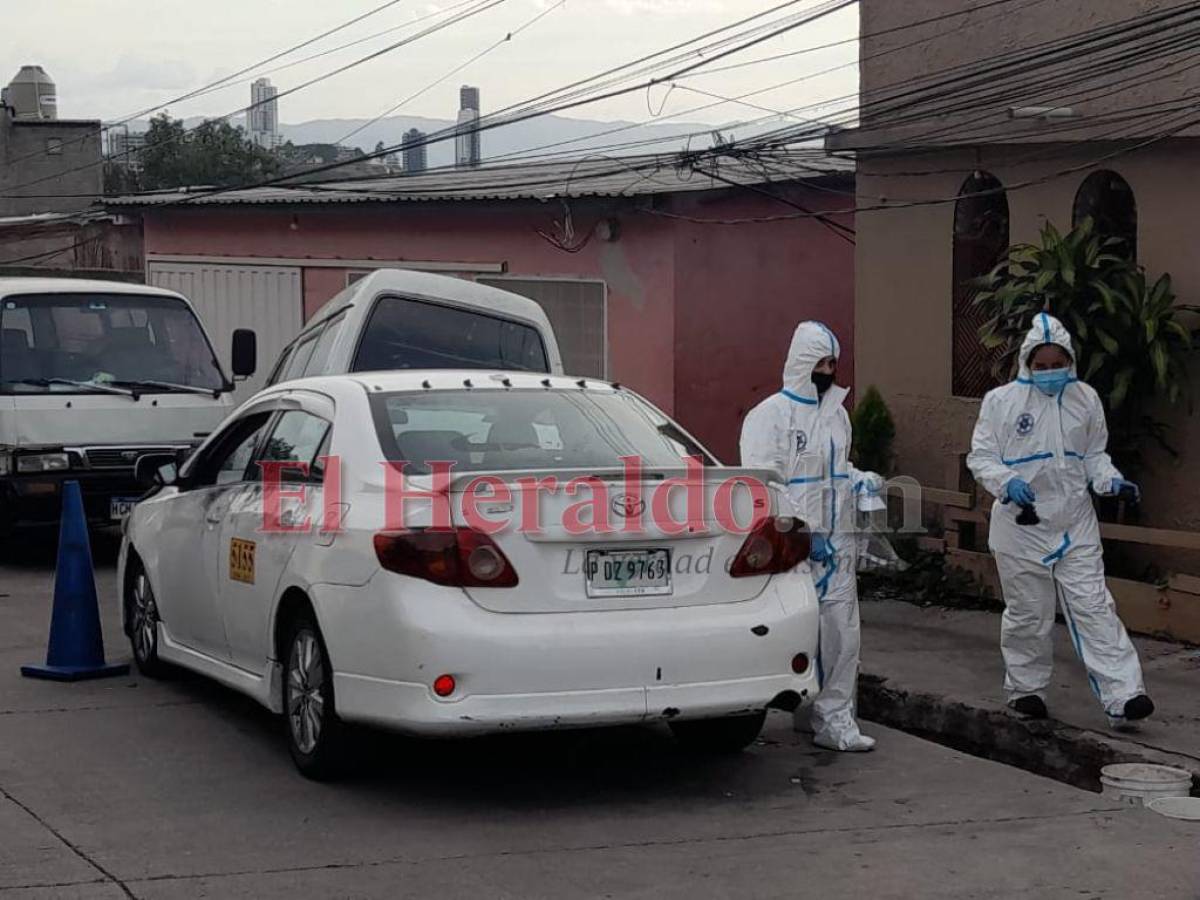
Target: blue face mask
{"x": 1051, "y": 381}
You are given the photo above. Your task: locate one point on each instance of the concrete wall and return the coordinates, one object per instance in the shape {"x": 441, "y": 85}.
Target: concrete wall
{"x": 895, "y": 51}
{"x": 99, "y": 246}
{"x": 904, "y": 287}
{"x": 699, "y": 316}
{"x": 740, "y": 291}
{"x": 67, "y": 181}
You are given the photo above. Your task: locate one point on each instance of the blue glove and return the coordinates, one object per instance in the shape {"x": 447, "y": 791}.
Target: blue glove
{"x": 1019, "y": 492}
{"x": 821, "y": 548}
{"x": 1120, "y": 485}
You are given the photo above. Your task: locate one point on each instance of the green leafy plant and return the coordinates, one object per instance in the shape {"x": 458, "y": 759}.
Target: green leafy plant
{"x": 1131, "y": 342}
{"x": 874, "y": 433}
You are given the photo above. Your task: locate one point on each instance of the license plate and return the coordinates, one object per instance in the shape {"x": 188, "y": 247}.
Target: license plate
{"x": 120, "y": 507}
{"x": 627, "y": 573}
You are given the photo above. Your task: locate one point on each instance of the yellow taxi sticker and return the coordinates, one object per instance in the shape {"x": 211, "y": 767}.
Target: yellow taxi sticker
{"x": 241, "y": 560}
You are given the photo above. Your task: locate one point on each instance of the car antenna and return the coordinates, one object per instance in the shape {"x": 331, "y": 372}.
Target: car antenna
{"x": 425, "y": 384}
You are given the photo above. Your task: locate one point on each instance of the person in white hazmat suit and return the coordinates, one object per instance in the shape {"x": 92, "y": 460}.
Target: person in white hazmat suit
{"x": 1041, "y": 442}
{"x": 803, "y": 432}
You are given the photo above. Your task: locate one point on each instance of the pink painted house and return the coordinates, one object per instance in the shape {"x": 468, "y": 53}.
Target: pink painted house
{"x": 677, "y": 284}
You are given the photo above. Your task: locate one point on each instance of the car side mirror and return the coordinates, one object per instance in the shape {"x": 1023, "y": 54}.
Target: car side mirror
{"x": 244, "y": 353}
{"x": 156, "y": 470}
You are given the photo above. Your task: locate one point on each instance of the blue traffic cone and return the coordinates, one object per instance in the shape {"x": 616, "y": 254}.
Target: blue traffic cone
{"x": 76, "y": 648}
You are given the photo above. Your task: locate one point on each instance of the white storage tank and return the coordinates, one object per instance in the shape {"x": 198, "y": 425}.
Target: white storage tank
{"x": 32, "y": 95}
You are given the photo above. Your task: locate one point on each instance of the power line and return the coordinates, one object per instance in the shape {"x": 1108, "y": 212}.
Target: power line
{"x": 222, "y": 81}
{"x": 522, "y": 112}
{"x": 478, "y": 56}
{"x": 480, "y": 7}
{"x": 856, "y": 210}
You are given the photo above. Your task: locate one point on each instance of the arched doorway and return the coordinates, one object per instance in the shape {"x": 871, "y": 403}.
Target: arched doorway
{"x": 1108, "y": 199}
{"x": 980, "y": 241}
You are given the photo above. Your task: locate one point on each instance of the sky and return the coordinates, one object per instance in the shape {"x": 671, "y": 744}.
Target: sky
{"x": 114, "y": 58}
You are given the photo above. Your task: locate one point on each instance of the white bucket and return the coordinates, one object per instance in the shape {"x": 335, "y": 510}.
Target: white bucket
{"x": 1139, "y": 783}
{"x": 1177, "y": 807}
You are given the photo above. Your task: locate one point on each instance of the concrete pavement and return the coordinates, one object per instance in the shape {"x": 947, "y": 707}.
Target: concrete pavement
{"x": 179, "y": 788}
{"x": 936, "y": 670}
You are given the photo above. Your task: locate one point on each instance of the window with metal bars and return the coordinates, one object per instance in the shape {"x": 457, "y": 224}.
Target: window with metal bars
{"x": 981, "y": 236}
{"x": 1107, "y": 199}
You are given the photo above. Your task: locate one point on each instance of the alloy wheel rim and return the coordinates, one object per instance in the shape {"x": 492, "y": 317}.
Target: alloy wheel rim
{"x": 145, "y": 618}
{"x": 306, "y": 703}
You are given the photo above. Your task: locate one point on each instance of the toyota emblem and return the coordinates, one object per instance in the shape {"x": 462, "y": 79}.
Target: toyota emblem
{"x": 627, "y": 506}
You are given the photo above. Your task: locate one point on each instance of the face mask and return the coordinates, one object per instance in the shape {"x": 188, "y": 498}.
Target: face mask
{"x": 823, "y": 381}
{"x": 1051, "y": 381}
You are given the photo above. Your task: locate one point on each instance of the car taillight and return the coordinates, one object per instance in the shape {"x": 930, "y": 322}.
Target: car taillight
{"x": 778, "y": 544}
{"x": 457, "y": 558}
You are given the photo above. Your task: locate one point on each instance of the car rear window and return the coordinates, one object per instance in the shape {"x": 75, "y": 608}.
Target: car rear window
{"x": 492, "y": 430}
{"x": 402, "y": 333}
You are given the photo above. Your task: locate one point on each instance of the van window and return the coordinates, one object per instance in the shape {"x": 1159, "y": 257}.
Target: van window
{"x": 320, "y": 355}
{"x": 300, "y": 357}
{"x": 71, "y": 342}
{"x": 402, "y": 333}
{"x": 277, "y": 372}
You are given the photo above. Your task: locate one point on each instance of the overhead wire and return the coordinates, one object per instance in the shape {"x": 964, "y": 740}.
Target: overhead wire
{"x": 522, "y": 112}
{"x": 479, "y": 7}
{"x": 221, "y": 82}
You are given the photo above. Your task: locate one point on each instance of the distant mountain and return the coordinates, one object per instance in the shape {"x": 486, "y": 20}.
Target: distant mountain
{"x": 585, "y": 135}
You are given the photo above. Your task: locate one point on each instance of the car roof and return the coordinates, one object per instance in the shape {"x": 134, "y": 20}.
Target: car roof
{"x": 11, "y": 286}
{"x": 443, "y": 288}
{"x": 442, "y": 380}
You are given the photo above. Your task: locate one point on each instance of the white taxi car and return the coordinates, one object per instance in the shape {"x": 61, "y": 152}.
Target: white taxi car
{"x": 316, "y": 598}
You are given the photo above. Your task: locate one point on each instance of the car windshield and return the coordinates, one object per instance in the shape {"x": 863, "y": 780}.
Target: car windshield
{"x": 97, "y": 342}
{"x": 492, "y": 430}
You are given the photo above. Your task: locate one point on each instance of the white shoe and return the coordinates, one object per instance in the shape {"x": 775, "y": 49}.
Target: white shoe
{"x": 850, "y": 743}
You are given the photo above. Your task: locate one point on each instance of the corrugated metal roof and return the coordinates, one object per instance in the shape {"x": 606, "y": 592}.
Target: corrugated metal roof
{"x": 587, "y": 177}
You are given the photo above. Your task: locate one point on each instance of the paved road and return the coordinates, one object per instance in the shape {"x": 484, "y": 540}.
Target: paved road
{"x": 181, "y": 789}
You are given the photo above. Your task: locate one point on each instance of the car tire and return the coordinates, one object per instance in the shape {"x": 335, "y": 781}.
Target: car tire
{"x": 314, "y": 733}
{"x": 141, "y": 612}
{"x": 730, "y": 734}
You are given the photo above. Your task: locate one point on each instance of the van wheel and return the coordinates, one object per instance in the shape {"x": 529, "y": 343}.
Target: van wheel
{"x": 315, "y": 736}
{"x": 142, "y": 615}
{"x": 730, "y": 734}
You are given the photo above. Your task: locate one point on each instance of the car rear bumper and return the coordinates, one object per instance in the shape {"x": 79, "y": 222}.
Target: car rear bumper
{"x": 563, "y": 670}
{"x": 412, "y": 708}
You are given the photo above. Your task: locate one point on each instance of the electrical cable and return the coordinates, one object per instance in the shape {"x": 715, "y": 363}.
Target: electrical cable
{"x": 479, "y": 7}
{"x": 223, "y": 81}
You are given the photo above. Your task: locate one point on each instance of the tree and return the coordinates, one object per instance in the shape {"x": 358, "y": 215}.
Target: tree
{"x": 874, "y": 433}
{"x": 214, "y": 153}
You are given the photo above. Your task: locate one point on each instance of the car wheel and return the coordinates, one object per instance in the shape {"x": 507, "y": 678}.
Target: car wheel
{"x": 730, "y": 734}
{"x": 142, "y": 615}
{"x": 314, "y": 732}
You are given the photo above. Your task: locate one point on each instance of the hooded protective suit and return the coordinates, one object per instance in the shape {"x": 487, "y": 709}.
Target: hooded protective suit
{"x": 806, "y": 438}
{"x": 1058, "y": 445}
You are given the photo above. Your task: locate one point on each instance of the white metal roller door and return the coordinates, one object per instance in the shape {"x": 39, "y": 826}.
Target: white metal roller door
{"x": 266, "y": 299}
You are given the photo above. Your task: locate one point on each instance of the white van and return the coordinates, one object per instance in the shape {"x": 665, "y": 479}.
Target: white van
{"x": 395, "y": 319}
{"x": 94, "y": 374}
